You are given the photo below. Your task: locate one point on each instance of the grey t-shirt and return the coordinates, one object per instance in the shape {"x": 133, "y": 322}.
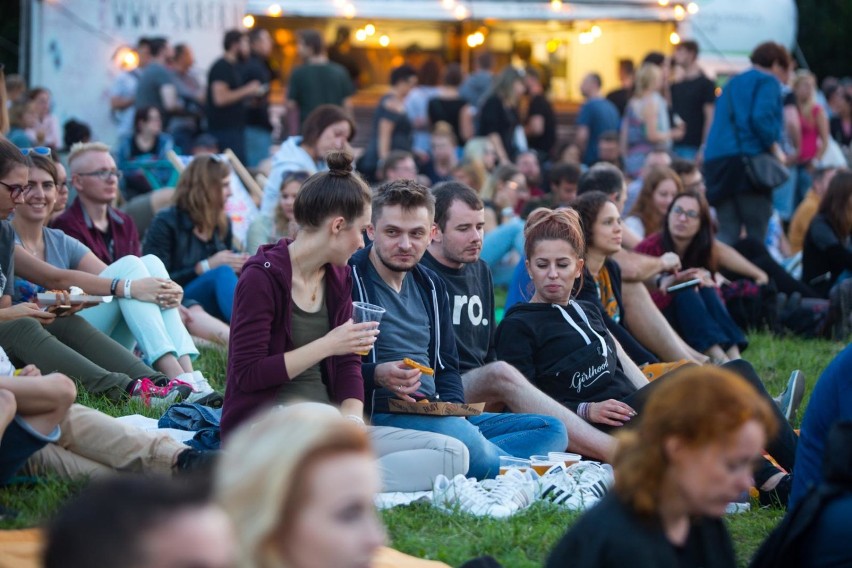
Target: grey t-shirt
{"x": 60, "y": 251}
{"x": 405, "y": 329}
{"x": 152, "y": 78}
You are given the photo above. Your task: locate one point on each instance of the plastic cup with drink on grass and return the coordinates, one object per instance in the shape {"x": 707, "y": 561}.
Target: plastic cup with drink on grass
{"x": 363, "y": 312}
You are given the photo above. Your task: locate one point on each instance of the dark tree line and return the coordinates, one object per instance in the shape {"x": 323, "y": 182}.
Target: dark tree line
{"x": 825, "y": 36}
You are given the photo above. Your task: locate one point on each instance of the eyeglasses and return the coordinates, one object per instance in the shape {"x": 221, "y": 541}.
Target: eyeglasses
{"x": 691, "y": 213}
{"x": 16, "y": 190}
{"x": 40, "y": 150}
{"x": 103, "y": 174}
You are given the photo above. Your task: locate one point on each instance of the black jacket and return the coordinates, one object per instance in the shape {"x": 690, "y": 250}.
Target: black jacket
{"x": 824, "y": 256}
{"x": 568, "y": 355}
{"x": 589, "y": 293}
{"x": 612, "y": 535}
{"x": 170, "y": 237}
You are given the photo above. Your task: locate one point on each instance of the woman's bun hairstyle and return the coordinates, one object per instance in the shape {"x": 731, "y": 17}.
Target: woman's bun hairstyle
{"x": 339, "y": 163}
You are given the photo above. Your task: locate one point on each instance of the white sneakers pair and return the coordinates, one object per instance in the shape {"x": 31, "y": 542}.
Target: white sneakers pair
{"x": 202, "y": 392}
{"x": 575, "y": 488}
{"x": 499, "y": 498}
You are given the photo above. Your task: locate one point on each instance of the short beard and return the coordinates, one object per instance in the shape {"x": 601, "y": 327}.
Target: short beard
{"x": 393, "y": 267}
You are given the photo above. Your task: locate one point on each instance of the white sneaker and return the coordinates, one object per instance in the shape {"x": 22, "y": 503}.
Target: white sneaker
{"x": 515, "y": 490}
{"x": 202, "y": 392}
{"x": 466, "y": 495}
{"x": 577, "y": 487}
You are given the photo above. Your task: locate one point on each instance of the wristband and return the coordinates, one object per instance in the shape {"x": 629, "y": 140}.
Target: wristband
{"x": 205, "y": 266}
{"x": 355, "y": 418}
{"x": 127, "y": 289}
{"x": 113, "y": 286}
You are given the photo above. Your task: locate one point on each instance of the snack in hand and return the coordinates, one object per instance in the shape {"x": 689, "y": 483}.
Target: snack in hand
{"x": 415, "y": 365}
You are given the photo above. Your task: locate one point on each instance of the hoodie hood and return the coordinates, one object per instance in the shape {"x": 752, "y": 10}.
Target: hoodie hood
{"x": 290, "y": 157}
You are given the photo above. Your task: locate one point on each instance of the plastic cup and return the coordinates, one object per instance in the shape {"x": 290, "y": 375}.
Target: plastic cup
{"x": 363, "y": 312}
{"x": 542, "y": 463}
{"x": 508, "y": 462}
{"x": 567, "y": 458}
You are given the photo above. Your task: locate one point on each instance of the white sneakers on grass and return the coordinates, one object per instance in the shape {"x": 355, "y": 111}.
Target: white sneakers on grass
{"x": 502, "y": 498}
{"x": 576, "y": 488}
{"x": 202, "y": 392}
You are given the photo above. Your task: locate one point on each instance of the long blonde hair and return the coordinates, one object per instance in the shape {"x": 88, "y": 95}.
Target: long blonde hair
{"x": 262, "y": 474}
{"x": 806, "y": 108}
{"x": 199, "y": 193}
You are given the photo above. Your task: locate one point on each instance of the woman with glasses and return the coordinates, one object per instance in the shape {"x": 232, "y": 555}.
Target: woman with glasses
{"x": 193, "y": 238}
{"x": 563, "y": 347}
{"x": 156, "y": 329}
{"x": 269, "y": 229}
{"x": 688, "y": 231}
{"x": 67, "y": 343}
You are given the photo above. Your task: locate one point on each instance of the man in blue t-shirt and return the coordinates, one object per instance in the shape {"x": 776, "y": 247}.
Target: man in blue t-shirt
{"x": 597, "y": 115}
{"x": 454, "y": 256}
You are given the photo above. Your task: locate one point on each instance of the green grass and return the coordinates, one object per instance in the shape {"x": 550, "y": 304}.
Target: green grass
{"x": 522, "y": 541}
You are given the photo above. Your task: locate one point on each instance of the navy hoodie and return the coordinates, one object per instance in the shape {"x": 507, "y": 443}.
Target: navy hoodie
{"x": 443, "y": 356}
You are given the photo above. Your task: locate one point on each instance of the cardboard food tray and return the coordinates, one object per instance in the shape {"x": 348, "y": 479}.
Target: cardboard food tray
{"x": 49, "y": 298}
{"x": 398, "y": 406}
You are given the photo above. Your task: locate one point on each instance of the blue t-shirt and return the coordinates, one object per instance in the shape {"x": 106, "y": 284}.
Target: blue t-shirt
{"x": 831, "y": 401}
{"x": 598, "y": 115}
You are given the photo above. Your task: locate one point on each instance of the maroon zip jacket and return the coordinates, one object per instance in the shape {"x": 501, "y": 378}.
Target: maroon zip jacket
{"x": 260, "y": 335}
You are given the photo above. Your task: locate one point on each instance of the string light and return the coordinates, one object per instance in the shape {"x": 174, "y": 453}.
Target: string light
{"x": 596, "y": 31}
{"x": 692, "y": 8}
{"x": 586, "y": 38}
{"x": 475, "y": 39}
{"x": 556, "y": 5}
{"x": 274, "y": 10}
{"x": 448, "y": 4}
{"x": 370, "y": 29}
{"x": 349, "y": 11}
{"x": 460, "y": 12}
{"x": 674, "y": 38}
{"x": 663, "y": 3}
{"x": 384, "y": 41}
{"x": 248, "y": 21}
{"x": 361, "y": 35}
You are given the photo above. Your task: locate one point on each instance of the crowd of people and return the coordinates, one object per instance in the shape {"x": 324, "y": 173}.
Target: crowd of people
{"x": 636, "y": 254}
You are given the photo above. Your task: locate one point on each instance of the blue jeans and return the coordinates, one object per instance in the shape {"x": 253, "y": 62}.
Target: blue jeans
{"x": 489, "y": 435}
{"x": 158, "y": 332}
{"x": 258, "y": 141}
{"x": 499, "y": 242}
{"x": 685, "y": 152}
{"x": 700, "y": 317}
{"x": 214, "y": 290}
{"x": 19, "y": 442}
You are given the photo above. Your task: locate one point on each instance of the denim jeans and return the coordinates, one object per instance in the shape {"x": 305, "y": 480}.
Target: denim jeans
{"x": 158, "y": 332}
{"x": 700, "y": 317}
{"x": 258, "y": 141}
{"x": 489, "y": 435}
{"x": 499, "y": 242}
{"x": 214, "y": 290}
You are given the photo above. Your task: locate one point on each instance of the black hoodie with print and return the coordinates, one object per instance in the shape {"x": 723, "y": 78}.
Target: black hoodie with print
{"x": 566, "y": 351}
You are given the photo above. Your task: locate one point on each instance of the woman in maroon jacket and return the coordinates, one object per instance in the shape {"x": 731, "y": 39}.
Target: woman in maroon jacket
{"x": 292, "y": 335}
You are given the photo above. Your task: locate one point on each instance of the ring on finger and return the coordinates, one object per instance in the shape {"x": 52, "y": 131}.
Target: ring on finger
{"x": 398, "y": 387}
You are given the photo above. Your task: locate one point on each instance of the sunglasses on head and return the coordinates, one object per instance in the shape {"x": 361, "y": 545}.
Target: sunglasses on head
{"x": 40, "y": 150}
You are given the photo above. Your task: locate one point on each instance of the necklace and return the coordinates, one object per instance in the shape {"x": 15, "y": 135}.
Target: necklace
{"x": 316, "y": 284}
{"x": 29, "y": 250}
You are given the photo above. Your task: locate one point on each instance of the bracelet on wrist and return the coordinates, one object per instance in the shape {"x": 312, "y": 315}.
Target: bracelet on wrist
{"x": 354, "y": 418}
{"x": 205, "y": 265}
{"x": 113, "y": 286}
{"x": 127, "y": 293}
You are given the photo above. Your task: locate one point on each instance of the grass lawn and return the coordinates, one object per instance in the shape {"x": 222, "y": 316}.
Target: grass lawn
{"x": 524, "y": 540}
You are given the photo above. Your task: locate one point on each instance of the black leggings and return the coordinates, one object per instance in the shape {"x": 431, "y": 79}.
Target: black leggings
{"x": 782, "y": 447}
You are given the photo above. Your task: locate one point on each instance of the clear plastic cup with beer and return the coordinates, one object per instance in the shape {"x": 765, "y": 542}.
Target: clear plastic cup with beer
{"x": 363, "y": 312}
{"x": 542, "y": 463}
{"x": 508, "y": 462}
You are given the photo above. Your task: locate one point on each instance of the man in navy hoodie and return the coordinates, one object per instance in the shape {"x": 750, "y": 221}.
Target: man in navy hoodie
{"x": 418, "y": 325}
